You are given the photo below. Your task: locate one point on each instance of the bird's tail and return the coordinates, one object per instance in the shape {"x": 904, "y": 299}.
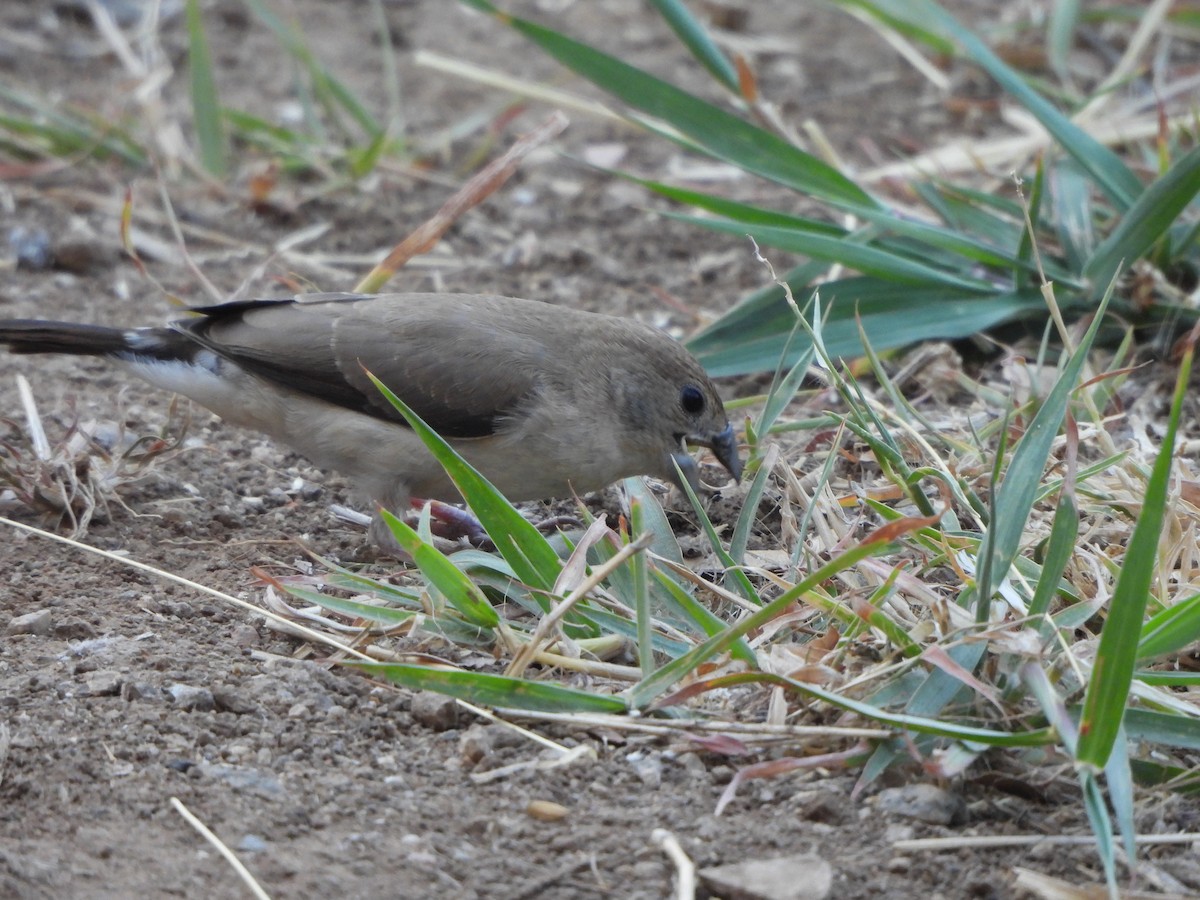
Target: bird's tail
{"x": 40, "y": 336}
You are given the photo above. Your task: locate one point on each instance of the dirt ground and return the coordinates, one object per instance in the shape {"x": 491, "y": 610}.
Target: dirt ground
{"x": 131, "y": 691}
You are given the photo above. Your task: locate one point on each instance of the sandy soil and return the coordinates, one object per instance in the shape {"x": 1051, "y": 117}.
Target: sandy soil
{"x": 132, "y": 691}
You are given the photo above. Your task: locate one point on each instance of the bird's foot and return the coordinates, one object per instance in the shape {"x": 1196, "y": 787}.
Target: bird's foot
{"x": 454, "y": 523}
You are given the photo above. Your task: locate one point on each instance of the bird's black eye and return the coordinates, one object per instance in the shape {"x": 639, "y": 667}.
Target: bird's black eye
{"x": 691, "y": 398}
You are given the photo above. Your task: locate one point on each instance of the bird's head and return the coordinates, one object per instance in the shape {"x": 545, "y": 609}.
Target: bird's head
{"x": 699, "y": 418}
{"x": 668, "y": 399}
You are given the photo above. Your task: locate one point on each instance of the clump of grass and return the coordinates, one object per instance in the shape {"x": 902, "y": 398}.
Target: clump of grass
{"x": 968, "y": 613}
{"x": 947, "y": 256}
{"x": 75, "y": 478}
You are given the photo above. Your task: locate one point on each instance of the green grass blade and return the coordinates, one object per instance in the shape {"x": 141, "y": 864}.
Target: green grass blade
{"x": 521, "y": 545}
{"x": 1060, "y": 36}
{"x": 612, "y": 623}
{"x": 206, "y": 107}
{"x": 1017, "y": 494}
{"x": 330, "y": 92}
{"x": 749, "y": 512}
{"x": 654, "y": 520}
{"x": 956, "y": 242}
{"x": 1035, "y": 679}
{"x": 494, "y": 690}
{"x": 1168, "y": 679}
{"x": 890, "y": 317}
{"x": 885, "y": 265}
{"x": 1059, "y": 549}
{"x": 65, "y": 133}
{"x": 707, "y": 622}
{"x": 1170, "y": 630}
{"x": 717, "y": 132}
{"x": 380, "y": 615}
{"x": 1118, "y": 776}
{"x": 1168, "y": 729}
{"x": 920, "y": 724}
{"x": 1148, "y": 219}
{"x": 1112, "y": 672}
{"x": 892, "y": 14}
{"x": 461, "y": 592}
{"x": 698, "y": 41}
{"x": 1113, "y": 177}
{"x": 734, "y": 578}
{"x": 670, "y": 598}
{"x": 1097, "y": 813}
{"x": 1071, "y": 211}
{"x": 649, "y": 689}
{"x": 763, "y": 313}
{"x": 641, "y": 593}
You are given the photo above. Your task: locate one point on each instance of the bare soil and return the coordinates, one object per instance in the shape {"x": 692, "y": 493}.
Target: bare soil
{"x": 133, "y": 691}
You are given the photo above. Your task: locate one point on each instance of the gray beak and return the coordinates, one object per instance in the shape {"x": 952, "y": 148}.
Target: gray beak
{"x": 725, "y": 449}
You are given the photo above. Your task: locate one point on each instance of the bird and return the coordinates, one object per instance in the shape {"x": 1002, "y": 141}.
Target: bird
{"x": 543, "y": 400}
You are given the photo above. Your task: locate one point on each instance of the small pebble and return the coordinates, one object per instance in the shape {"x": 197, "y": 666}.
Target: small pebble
{"x": 925, "y": 803}
{"x": 39, "y": 622}
{"x": 434, "y": 711}
{"x": 102, "y": 683}
{"x": 192, "y": 699}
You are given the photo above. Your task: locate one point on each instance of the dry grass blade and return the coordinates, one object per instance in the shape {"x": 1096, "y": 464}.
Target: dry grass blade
{"x": 527, "y": 653}
{"x": 1033, "y": 840}
{"x": 481, "y": 186}
{"x": 308, "y": 633}
{"x": 685, "y": 869}
{"x": 33, "y": 420}
{"x": 220, "y": 846}
{"x": 1047, "y": 887}
{"x": 5, "y": 744}
{"x": 533, "y": 91}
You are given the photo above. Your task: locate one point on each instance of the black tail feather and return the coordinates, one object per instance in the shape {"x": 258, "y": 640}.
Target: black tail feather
{"x": 38, "y": 336}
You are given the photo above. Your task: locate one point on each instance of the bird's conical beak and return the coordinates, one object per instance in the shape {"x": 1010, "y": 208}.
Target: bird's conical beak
{"x": 725, "y": 449}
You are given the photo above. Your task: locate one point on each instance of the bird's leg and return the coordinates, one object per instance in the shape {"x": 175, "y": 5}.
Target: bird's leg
{"x": 449, "y": 525}
{"x": 452, "y": 522}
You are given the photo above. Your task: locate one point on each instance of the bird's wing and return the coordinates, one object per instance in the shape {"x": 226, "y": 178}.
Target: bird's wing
{"x": 462, "y": 363}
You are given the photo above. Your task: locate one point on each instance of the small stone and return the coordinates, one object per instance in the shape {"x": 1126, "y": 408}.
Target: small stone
{"x": 242, "y": 779}
{"x": 476, "y": 744}
{"x": 102, "y": 683}
{"x": 721, "y": 774}
{"x": 252, "y": 843}
{"x": 693, "y": 765}
{"x": 925, "y": 803}
{"x": 31, "y": 247}
{"x": 79, "y": 256}
{"x": 229, "y": 519}
{"x": 192, "y": 699}
{"x": 434, "y": 711}
{"x": 245, "y": 636}
{"x": 482, "y": 745}
{"x": 139, "y": 690}
{"x": 800, "y": 877}
{"x": 39, "y": 622}
{"x": 74, "y": 630}
{"x": 229, "y": 700}
{"x": 649, "y": 768}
